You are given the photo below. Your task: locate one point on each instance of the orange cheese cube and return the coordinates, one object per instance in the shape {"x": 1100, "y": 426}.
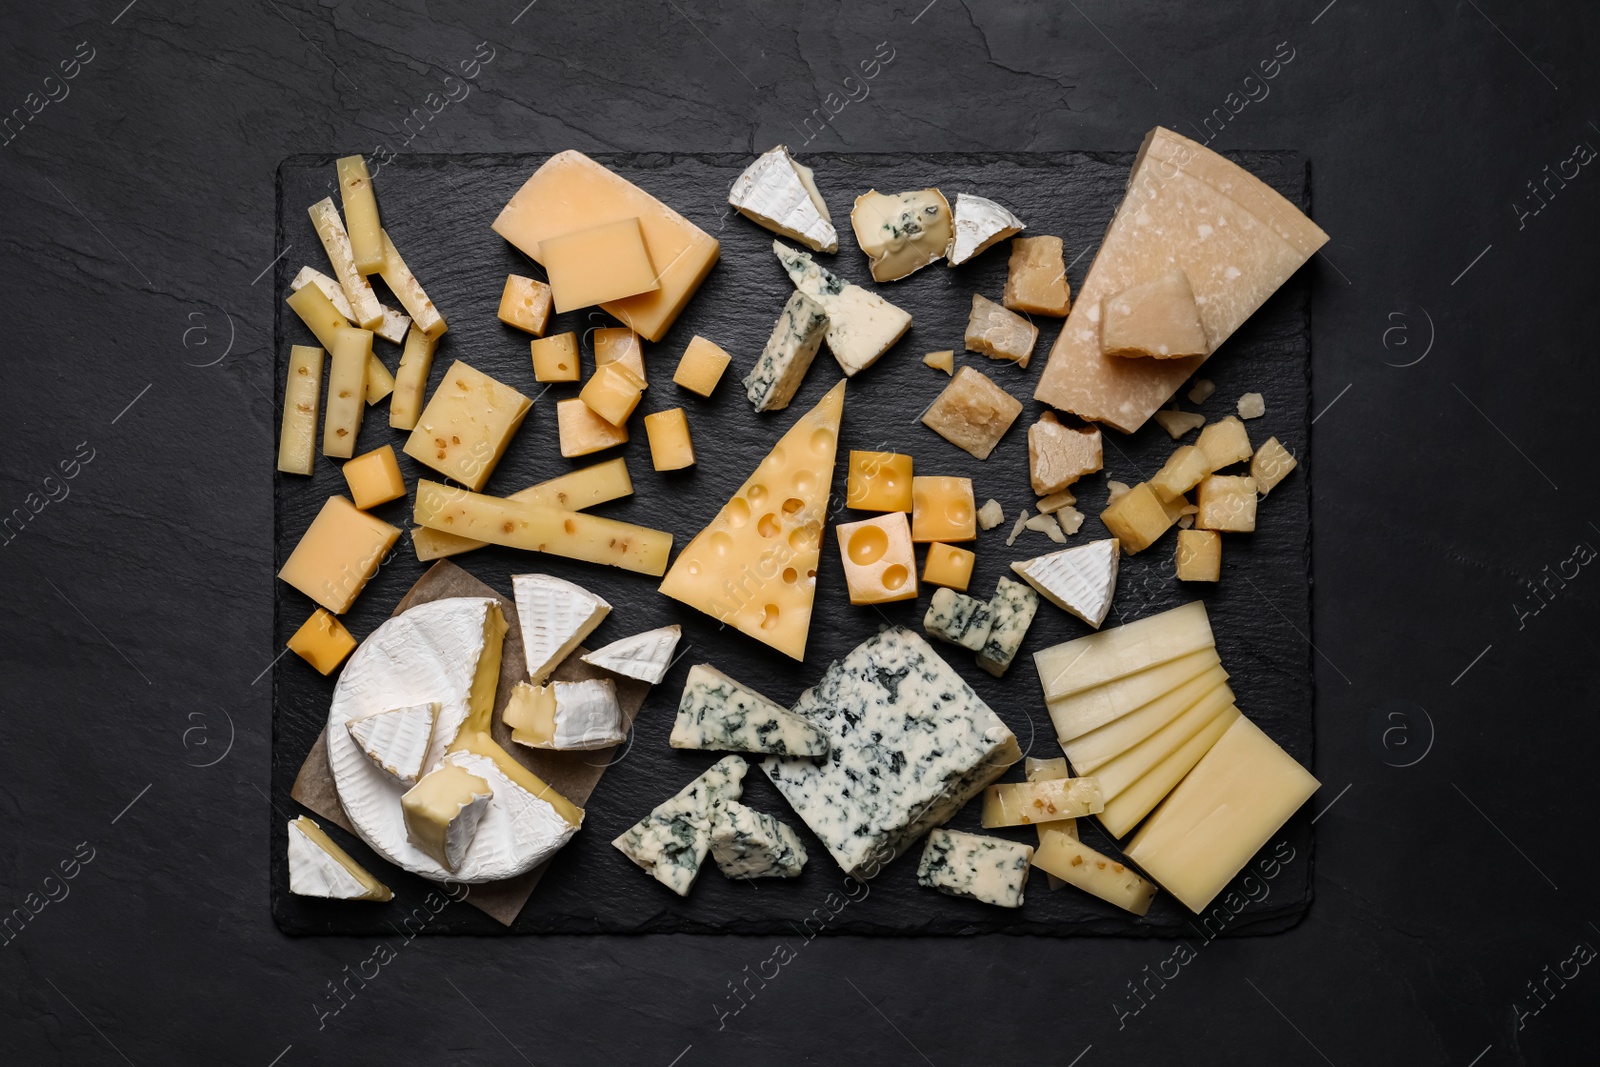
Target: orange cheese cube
{"x": 322, "y": 641}
{"x": 374, "y": 478}
{"x": 338, "y": 554}
{"x": 879, "y": 564}
{"x": 701, "y": 367}
{"x": 555, "y": 359}
{"x": 670, "y": 447}
{"x": 879, "y": 481}
{"x": 948, "y": 566}
{"x": 942, "y": 509}
{"x": 525, "y": 304}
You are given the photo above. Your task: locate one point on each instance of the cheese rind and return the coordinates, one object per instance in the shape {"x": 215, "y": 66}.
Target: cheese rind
{"x": 555, "y": 615}
{"x": 302, "y": 396}
{"x": 1059, "y": 455}
{"x": 672, "y": 841}
{"x": 1075, "y": 666}
{"x": 978, "y": 224}
{"x": 783, "y": 363}
{"x": 948, "y": 566}
{"x": 1044, "y": 800}
{"x": 575, "y": 490}
{"x": 598, "y": 265}
{"x": 972, "y": 413}
{"x": 366, "y": 311}
{"x": 318, "y": 867}
{"x": 1080, "y": 580}
{"x": 411, "y": 381}
{"x": 778, "y": 192}
{"x": 991, "y": 870}
{"x": 1061, "y": 855}
{"x": 1036, "y": 277}
{"x": 374, "y": 478}
{"x": 396, "y": 740}
{"x": 1157, "y": 319}
{"x": 958, "y": 619}
{"x": 409, "y": 291}
{"x": 999, "y": 333}
{"x": 880, "y": 566}
{"x": 348, "y": 361}
{"x": 338, "y": 553}
{"x": 469, "y": 421}
{"x": 322, "y": 641}
{"x": 721, "y": 714}
{"x": 645, "y": 656}
{"x": 751, "y": 844}
{"x": 1014, "y": 605}
{"x": 861, "y": 324}
{"x": 901, "y": 232}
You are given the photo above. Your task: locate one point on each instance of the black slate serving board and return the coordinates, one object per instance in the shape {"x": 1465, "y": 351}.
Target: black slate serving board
{"x": 438, "y": 210}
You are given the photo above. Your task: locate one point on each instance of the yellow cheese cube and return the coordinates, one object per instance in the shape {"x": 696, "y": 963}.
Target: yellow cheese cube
{"x": 555, "y": 359}
{"x": 1138, "y": 517}
{"x": 597, "y": 265}
{"x": 942, "y": 509}
{"x": 302, "y": 394}
{"x": 612, "y": 392}
{"x": 360, "y": 214}
{"x": 466, "y": 426}
{"x": 618, "y": 344}
{"x": 374, "y": 478}
{"x": 1270, "y": 465}
{"x": 1036, "y": 278}
{"x": 322, "y": 641}
{"x": 525, "y": 304}
{"x": 701, "y": 367}
{"x": 1225, "y": 442}
{"x": 1184, "y": 470}
{"x": 879, "y": 564}
{"x": 583, "y": 432}
{"x": 338, "y": 554}
{"x": 879, "y": 481}
{"x": 1227, "y": 503}
{"x": 670, "y": 447}
{"x": 948, "y": 566}
{"x": 411, "y": 382}
{"x": 1199, "y": 556}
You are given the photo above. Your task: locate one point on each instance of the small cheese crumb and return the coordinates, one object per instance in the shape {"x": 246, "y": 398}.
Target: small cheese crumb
{"x": 1056, "y": 501}
{"x": 1252, "y": 406}
{"x": 1177, "y": 423}
{"x": 1185, "y": 521}
{"x": 991, "y": 514}
{"x": 1201, "y": 391}
{"x": 1047, "y": 525}
{"x": 1071, "y": 520}
{"x": 1117, "y": 489}
{"x": 1016, "y": 531}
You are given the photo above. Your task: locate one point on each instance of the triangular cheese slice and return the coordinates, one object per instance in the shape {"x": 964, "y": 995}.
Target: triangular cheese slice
{"x": 978, "y": 224}
{"x": 318, "y": 867}
{"x": 1080, "y": 580}
{"x": 723, "y": 715}
{"x": 861, "y": 324}
{"x": 643, "y": 656}
{"x": 397, "y": 740}
{"x": 672, "y": 841}
{"x": 555, "y": 615}
{"x": 755, "y": 566}
{"x": 779, "y": 192}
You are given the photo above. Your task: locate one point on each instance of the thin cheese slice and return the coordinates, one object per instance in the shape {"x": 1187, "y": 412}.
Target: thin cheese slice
{"x": 575, "y": 490}
{"x": 1186, "y": 207}
{"x": 1093, "y": 708}
{"x": 755, "y": 566}
{"x": 1111, "y": 654}
{"x": 600, "y": 264}
{"x": 368, "y": 313}
{"x": 1123, "y": 811}
{"x": 1119, "y": 774}
{"x": 1097, "y": 747}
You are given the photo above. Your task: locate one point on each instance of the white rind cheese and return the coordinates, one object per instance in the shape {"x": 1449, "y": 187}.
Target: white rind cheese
{"x": 959, "y": 619}
{"x": 979, "y": 224}
{"x": 318, "y": 867}
{"x": 991, "y": 870}
{"x": 443, "y": 811}
{"x": 397, "y": 740}
{"x": 672, "y": 841}
{"x": 783, "y": 363}
{"x": 911, "y": 743}
{"x": 555, "y": 616}
{"x": 861, "y": 325}
{"x": 1014, "y": 606}
{"x": 720, "y": 714}
{"x": 751, "y": 844}
{"x": 1079, "y": 580}
{"x": 901, "y": 232}
{"x": 566, "y": 716}
{"x": 778, "y": 192}
{"x": 643, "y": 656}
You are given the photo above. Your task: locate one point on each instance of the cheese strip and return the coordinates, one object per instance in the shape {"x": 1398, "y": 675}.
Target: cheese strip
{"x": 541, "y": 528}
{"x": 1092, "y": 709}
{"x": 1186, "y": 207}
{"x": 1072, "y": 667}
{"x": 572, "y": 192}
{"x": 361, "y": 212}
{"x": 398, "y": 277}
{"x": 1114, "y": 738}
{"x": 574, "y": 491}
{"x": 1025, "y": 803}
{"x": 1123, "y": 811}
{"x": 348, "y": 357}
{"x": 1044, "y": 770}
{"x": 323, "y": 318}
{"x": 380, "y": 383}
{"x": 394, "y": 325}
{"x": 368, "y": 313}
{"x": 1120, "y": 773}
{"x": 1061, "y": 855}
{"x": 411, "y": 383}
{"x": 302, "y": 395}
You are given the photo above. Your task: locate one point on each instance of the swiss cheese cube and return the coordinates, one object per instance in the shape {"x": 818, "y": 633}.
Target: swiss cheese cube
{"x": 943, "y": 509}
{"x": 466, "y": 426}
{"x": 670, "y": 446}
{"x": 525, "y": 304}
{"x": 374, "y": 478}
{"x": 555, "y": 359}
{"x": 612, "y": 392}
{"x": 1227, "y": 503}
{"x": 879, "y": 481}
{"x": 879, "y": 565}
{"x": 948, "y": 566}
{"x": 1036, "y": 277}
{"x": 602, "y": 263}
{"x": 701, "y": 367}
{"x": 336, "y": 556}
{"x": 583, "y": 432}
{"x": 1199, "y": 556}
{"x": 322, "y": 641}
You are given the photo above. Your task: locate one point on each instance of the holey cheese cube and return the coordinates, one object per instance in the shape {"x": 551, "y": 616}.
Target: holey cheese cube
{"x": 911, "y": 744}
{"x": 942, "y": 509}
{"x": 879, "y": 481}
{"x": 880, "y": 565}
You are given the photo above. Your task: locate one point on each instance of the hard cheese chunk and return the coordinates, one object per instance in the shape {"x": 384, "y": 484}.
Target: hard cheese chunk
{"x": 302, "y": 395}
{"x": 1184, "y": 470}
{"x": 1075, "y": 666}
{"x": 466, "y": 426}
{"x": 861, "y": 325}
{"x": 972, "y": 413}
{"x": 910, "y": 744}
{"x": 567, "y": 716}
{"x": 322, "y": 641}
{"x": 718, "y": 713}
{"x": 998, "y": 333}
{"x": 783, "y": 363}
{"x": 336, "y": 556}
{"x": 442, "y": 812}
{"x": 1199, "y": 556}
{"x": 701, "y": 367}
{"x": 880, "y": 566}
{"x": 555, "y": 359}
{"x": 779, "y": 192}
{"x": 572, "y": 192}
{"x": 598, "y": 265}
{"x": 755, "y": 566}
{"x": 1270, "y": 465}
{"x": 411, "y": 382}
{"x": 1240, "y": 793}
{"x": 751, "y": 844}
{"x": 1157, "y": 319}
{"x": 1059, "y": 455}
{"x": 374, "y": 478}
{"x": 959, "y": 619}
{"x": 1014, "y": 606}
{"x": 1061, "y": 855}
{"x": 672, "y": 841}
{"x": 943, "y": 509}
{"x": 1139, "y": 517}
{"x": 901, "y": 232}
{"x": 318, "y": 867}
{"x": 575, "y": 490}
{"x": 1046, "y": 800}
{"x": 879, "y": 481}
{"x": 991, "y": 870}
{"x": 948, "y": 566}
{"x": 1186, "y": 207}
{"x": 670, "y": 446}
{"x": 583, "y": 432}
{"x": 361, "y": 211}
{"x": 945, "y": 361}
{"x": 1036, "y": 277}
{"x": 525, "y": 304}
{"x": 1224, "y": 442}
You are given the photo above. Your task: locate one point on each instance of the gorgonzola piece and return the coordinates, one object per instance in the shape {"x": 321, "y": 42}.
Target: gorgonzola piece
{"x": 672, "y": 841}
{"x": 958, "y": 618}
{"x": 783, "y": 363}
{"x": 1014, "y": 605}
{"x": 719, "y": 713}
{"x": 987, "y": 869}
{"x": 861, "y": 325}
{"x": 752, "y": 844}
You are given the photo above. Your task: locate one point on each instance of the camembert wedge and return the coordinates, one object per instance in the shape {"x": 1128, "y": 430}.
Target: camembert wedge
{"x": 555, "y": 616}
{"x": 779, "y": 192}
{"x": 318, "y": 867}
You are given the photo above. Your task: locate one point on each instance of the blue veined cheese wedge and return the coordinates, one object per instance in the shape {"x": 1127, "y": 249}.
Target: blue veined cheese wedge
{"x": 958, "y": 618}
{"x": 861, "y": 324}
{"x": 672, "y": 841}
{"x": 991, "y": 870}
{"x": 1014, "y": 606}
{"x": 911, "y": 743}
{"x": 783, "y": 363}
{"x": 752, "y": 844}
{"x": 717, "y": 712}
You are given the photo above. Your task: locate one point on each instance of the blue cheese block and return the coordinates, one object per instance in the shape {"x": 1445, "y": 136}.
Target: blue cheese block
{"x": 988, "y": 869}
{"x": 772, "y": 382}
{"x": 719, "y": 713}
{"x": 910, "y": 744}
{"x": 958, "y": 618}
{"x": 861, "y": 325}
{"x": 752, "y": 844}
{"x": 1014, "y": 604}
{"x": 672, "y": 841}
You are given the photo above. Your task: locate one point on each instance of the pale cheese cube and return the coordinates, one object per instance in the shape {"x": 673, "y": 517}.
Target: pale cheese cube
{"x": 972, "y": 413}
{"x": 999, "y": 333}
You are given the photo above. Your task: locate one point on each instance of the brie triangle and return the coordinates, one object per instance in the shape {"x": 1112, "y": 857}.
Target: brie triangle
{"x": 643, "y": 656}
{"x": 1080, "y": 580}
{"x": 396, "y": 740}
{"x": 555, "y": 616}
{"x": 979, "y": 224}
{"x": 318, "y": 867}
{"x": 861, "y": 325}
{"x": 778, "y": 192}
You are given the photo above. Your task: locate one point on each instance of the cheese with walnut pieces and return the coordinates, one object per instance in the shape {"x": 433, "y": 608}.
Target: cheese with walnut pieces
{"x": 987, "y": 869}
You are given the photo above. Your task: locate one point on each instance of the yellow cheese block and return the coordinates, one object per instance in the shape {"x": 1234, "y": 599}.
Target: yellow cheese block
{"x": 1199, "y": 556}
{"x": 360, "y": 214}
{"x": 618, "y": 344}
{"x": 1139, "y": 517}
{"x": 880, "y": 566}
{"x": 338, "y": 554}
{"x": 943, "y": 509}
{"x": 574, "y": 491}
{"x": 374, "y": 478}
{"x": 348, "y": 361}
{"x": 411, "y": 382}
{"x": 755, "y": 566}
{"x": 1123, "y": 811}
{"x": 603, "y": 263}
{"x": 948, "y": 566}
{"x": 701, "y": 367}
{"x": 1270, "y": 465}
{"x": 302, "y": 396}
{"x": 572, "y": 192}
{"x": 879, "y": 481}
{"x": 555, "y": 359}
{"x": 670, "y": 446}
{"x": 1226, "y": 503}
{"x": 322, "y": 641}
{"x": 583, "y": 432}
{"x": 525, "y": 304}
{"x": 466, "y": 426}
{"x": 1237, "y": 796}
{"x": 612, "y": 392}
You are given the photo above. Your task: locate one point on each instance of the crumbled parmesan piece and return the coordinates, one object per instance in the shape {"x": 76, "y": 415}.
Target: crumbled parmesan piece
{"x": 1036, "y": 279}
{"x": 1177, "y": 423}
{"x": 1117, "y": 489}
{"x": 1252, "y": 406}
{"x": 1201, "y": 391}
{"x": 1185, "y": 522}
{"x": 1059, "y": 455}
{"x": 1016, "y": 531}
{"x": 1071, "y": 520}
{"x": 1270, "y": 465}
{"x": 1056, "y": 501}
{"x": 972, "y": 413}
{"x": 991, "y": 514}
{"x": 998, "y": 333}
{"x": 1046, "y": 524}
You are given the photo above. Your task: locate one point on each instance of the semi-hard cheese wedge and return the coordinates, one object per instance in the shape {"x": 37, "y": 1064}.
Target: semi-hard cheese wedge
{"x": 1157, "y": 319}
{"x": 1091, "y": 709}
{"x": 1119, "y": 773}
{"x": 861, "y": 325}
{"x": 752, "y": 844}
{"x": 541, "y": 528}
{"x": 567, "y": 716}
{"x": 1045, "y": 800}
{"x": 778, "y": 191}
{"x": 718, "y": 713}
{"x": 755, "y": 566}
{"x": 991, "y": 870}
{"x": 1074, "y": 666}
{"x": 672, "y": 841}
{"x": 575, "y": 490}
{"x": 898, "y": 716}
{"x": 1014, "y": 606}
{"x": 1240, "y": 793}
{"x": 318, "y": 867}
{"x": 645, "y": 656}
{"x": 1186, "y": 207}
{"x": 1080, "y": 581}
{"x": 1062, "y": 856}
{"x": 367, "y": 313}
{"x": 782, "y": 364}
{"x": 1090, "y": 750}
{"x": 337, "y": 554}
{"x": 465, "y": 428}
{"x": 409, "y": 291}
{"x": 555, "y": 616}
{"x": 598, "y": 265}
{"x": 901, "y": 232}
{"x": 361, "y": 212}
{"x": 302, "y": 396}
{"x": 978, "y": 223}
{"x": 397, "y": 740}
{"x": 348, "y": 360}
{"x": 1123, "y": 811}
{"x": 572, "y": 192}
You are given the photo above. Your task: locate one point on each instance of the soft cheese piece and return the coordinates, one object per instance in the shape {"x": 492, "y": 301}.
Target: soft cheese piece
{"x": 718, "y": 713}
{"x": 1094, "y": 707}
{"x": 1186, "y": 207}
{"x": 599, "y": 265}
{"x": 1045, "y": 800}
{"x": 972, "y": 413}
{"x": 367, "y": 313}
{"x": 991, "y": 870}
{"x": 1014, "y": 606}
{"x": 555, "y": 616}
{"x": 755, "y": 566}
{"x": 348, "y": 361}
{"x": 1124, "y": 811}
{"x": 409, "y": 291}
{"x": 465, "y": 428}
{"x": 910, "y": 744}
{"x": 942, "y": 509}
{"x": 1061, "y": 855}
{"x": 1227, "y": 503}
{"x": 302, "y": 395}
{"x": 572, "y": 192}
{"x": 861, "y": 325}
{"x": 443, "y": 810}
{"x": 322, "y": 641}
{"x": 1036, "y": 278}
{"x": 1079, "y": 580}
{"x": 1240, "y": 793}
{"x": 880, "y": 565}
{"x": 671, "y": 448}
{"x": 1199, "y": 556}
{"x": 701, "y": 367}
{"x": 879, "y": 481}
{"x": 567, "y": 716}
{"x": 575, "y": 490}
{"x": 338, "y": 553}
{"x": 778, "y": 192}
{"x": 1270, "y": 465}
{"x": 1059, "y": 455}
{"x": 411, "y": 381}
{"x": 318, "y": 867}
{"x": 361, "y": 210}
{"x": 643, "y": 656}
{"x": 1075, "y": 666}
{"x": 1090, "y": 749}
{"x": 901, "y": 232}
{"x": 999, "y": 333}
{"x": 977, "y": 225}
{"x": 783, "y": 363}
{"x": 752, "y": 844}
{"x": 583, "y": 432}
{"x": 392, "y": 328}
{"x": 949, "y": 566}
{"x": 959, "y": 619}
{"x": 397, "y": 740}
{"x": 672, "y": 841}
{"x": 1157, "y": 319}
